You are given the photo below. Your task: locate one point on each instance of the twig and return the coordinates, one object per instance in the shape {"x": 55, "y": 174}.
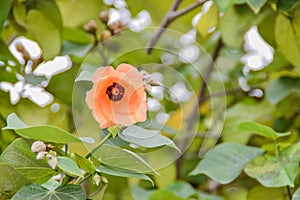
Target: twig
{"x": 201, "y": 97}
{"x": 192, "y": 119}
{"x": 289, "y": 192}
{"x": 224, "y": 93}
{"x": 12, "y": 38}
{"x": 183, "y": 11}
{"x": 109, "y": 135}
{"x": 169, "y": 18}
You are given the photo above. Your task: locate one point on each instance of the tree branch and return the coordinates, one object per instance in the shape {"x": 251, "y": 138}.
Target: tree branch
{"x": 201, "y": 97}
{"x": 168, "y": 19}
{"x": 193, "y": 118}
{"x": 183, "y": 11}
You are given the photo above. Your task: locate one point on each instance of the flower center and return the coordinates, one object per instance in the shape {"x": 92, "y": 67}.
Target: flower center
{"x": 115, "y": 92}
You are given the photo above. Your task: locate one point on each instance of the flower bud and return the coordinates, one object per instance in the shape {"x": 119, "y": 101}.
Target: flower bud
{"x": 21, "y": 48}
{"x": 117, "y": 31}
{"x": 104, "y": 16}
{"x": 97, "y": 179}
{"x": 90, "y": 27}
{"x": 104, "y": 180}
{"x": 41, "y": 155}
{"x": 116, "y": 27}
{"x": 106, "y": 34}
{"x": 147, "y": 88}
{"x": 52, "y": 162}
{"x": 38, "y": 146}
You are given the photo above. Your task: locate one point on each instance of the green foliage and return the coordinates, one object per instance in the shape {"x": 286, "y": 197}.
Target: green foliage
{"x": 19, "y": 156}
{"x": 296, "y": 195}
{"x": 4, "y": 10}
{"x": 122, "y": 173}
{"x": 68, "y": 166}
{"x": 51, "y": 133}
{"x": 276, "y": 171}
{"x": 256, "y": 156}
{"x": 265, "y": 131}
{"x": 84, "y": 164}
{"x": 226, "y": 161}
{"x": 182, "y": 189}
{"x": 72, "y": 192}
{"x": 287, "y": 32}
{"x": 5, "y": 54}
{"x": 163, "y": 194}
{"x": 122, "y": 158}
{"x": 10, "y": 181}
{"x": 285, "y": 5}
{"x": 145, "y": 138}
{"x": 256, "y": 5}
{"x": 224, "y": 5}
{"x": 208, "y": 20}
{"x": 280, "y": 88}
{"x": 260, "y": 193}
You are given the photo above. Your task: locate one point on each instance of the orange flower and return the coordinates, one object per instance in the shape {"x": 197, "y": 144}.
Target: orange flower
{"x": 117, "y": 96}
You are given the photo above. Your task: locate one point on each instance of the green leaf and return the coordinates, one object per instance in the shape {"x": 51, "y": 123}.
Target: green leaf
{"x": 51, "y": 184}
{"x": 272, "y": 171}
{"x": 51, "y": 11}
{"x": 286, "y": 5}
{"x": 4, "y": 10}
{"x": 262, "y": 130}
{"x": 19, "y": 155}
{"x": 84, "y": 164}
{"x": 69, "y": 166}
{"x": 10, "y": 181}
{"x": 206, "y": 196}
{"x": 63, "y": 192}
{"x": 44, "y": 133}
{"x": 123, "y": 159}
{"x": 76, "y": 49}
{"x": 19, "y": 12}
{"x": 100, "y": 194}
{"x": 122, "y": 173}
{"x": 182, "y": 189}
{"x": 145, "y": 138}
{"x": 43, "y": 29}
{"x": 34, "y": 79}
{"x": 84, "y": 76}
{"x": 163, "y": 195}
{"x": 235, "y": 23}
{"x": 76, "y": 35}
{"x": 261, "y": 193}
{"x": 245, "y": 110}
{"x": 5, "y": 54}
{"x": 256, "y": 5}
{"x": 76, "y": 13}
{"x": 139, "y": 193}
{"x": 280, "y": 88}
{"x": 208, "y": 20}
{"x": 266, "y": 29}
{"x": 287, "y": 35}
{"x": 224, "y": 5}
{"x": 296, "y": 195}
{"x": 226, "y": 161}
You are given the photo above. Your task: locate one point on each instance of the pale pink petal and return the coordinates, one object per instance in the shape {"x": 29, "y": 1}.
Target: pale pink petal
{"x": 102, "y": 72}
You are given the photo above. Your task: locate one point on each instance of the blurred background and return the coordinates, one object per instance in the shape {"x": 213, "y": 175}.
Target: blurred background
{"x": 241, "y": 56}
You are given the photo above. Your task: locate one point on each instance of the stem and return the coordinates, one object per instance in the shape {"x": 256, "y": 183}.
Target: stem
{"x": 109, "y": 135}
{"x": 66, "y": 150}
{"x": 276, "y": 148}
{"x": 289, "y": 192}
{"x": 81, "y": 180}
{"x": 192, "y": 119}
{"x": 169, "y": 18}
